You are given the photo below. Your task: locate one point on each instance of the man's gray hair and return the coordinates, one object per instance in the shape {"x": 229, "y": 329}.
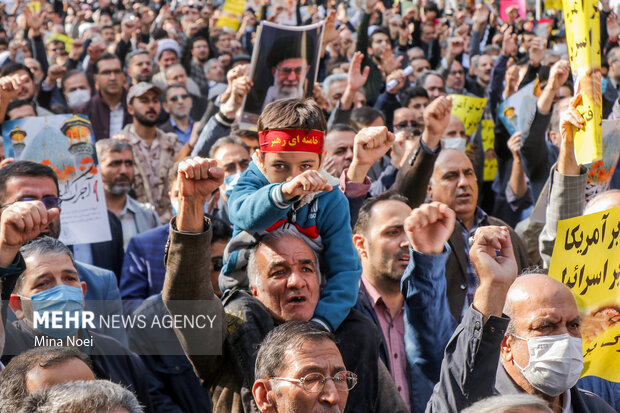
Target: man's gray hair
{"x": 592, "y": 202}
{"x": 508, "y": 403}
{"x": 252, "y": 268}
{"x": 42, "y": 246}
{"x": 174, "y": 66}
{"x": 289, "y": 336}
{"x": 422, "y": 78}
{"x": 226, "y": 140}
{"x": 82, "y": 396}
{"x": 338, "y": 77}
{"x": 105, "y": 146}
{"x": 209, "y": 63}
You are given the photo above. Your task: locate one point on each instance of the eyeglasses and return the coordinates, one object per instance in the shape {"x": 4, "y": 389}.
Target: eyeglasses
{"x": 49, "y": 201}
{"x": 315, "y": 382}
{"x": 177, "y": 98}
{"x": 288, "y": 70}
{"x": 457, "y": 72}
{"x": 217, "y": 263}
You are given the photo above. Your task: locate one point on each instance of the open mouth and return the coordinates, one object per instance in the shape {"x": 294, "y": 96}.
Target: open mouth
{"x": 298, "y": 299}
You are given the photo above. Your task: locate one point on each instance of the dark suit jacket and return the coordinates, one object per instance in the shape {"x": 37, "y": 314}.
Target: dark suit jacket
{"x": 99, "y": 114}
{"x": 110, "y": 254}
{"x": 456, "y": 267}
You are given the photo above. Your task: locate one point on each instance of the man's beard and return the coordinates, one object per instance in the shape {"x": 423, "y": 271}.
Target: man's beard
{"x": 144, "y": 120}
{"x": 388, "y": 268}
{"x": 291, "y": 92}
{"x": 118, "y": 189}
{"x": 144, "y": 78}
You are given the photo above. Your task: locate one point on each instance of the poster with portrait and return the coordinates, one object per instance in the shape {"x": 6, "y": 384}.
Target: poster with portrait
{"x": 65, "y": 144}
{"x": 284, "y": 65}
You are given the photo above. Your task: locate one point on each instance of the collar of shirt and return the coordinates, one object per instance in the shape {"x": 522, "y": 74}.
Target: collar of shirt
{"x": 480, "y": 217}
{"x": 375, "y": 296}
{"x": 175, "y": 125}
{"x": 129, "y": 207}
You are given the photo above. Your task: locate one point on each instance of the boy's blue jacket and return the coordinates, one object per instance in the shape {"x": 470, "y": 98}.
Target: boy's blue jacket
{"x": 256, "y": 206}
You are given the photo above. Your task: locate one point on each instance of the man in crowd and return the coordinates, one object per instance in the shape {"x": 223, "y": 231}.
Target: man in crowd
{"x": 176, "y": 74}
{"x": 339, "y": 149}
{"x": 75, "y": 88}
{"x": 139, "y": 66}
{"x": 200, "y": 54}
{"x": 28, "y": 189}
{"x": 107, "y": 109}
{"x": 116, "y": 164}
{"x": 198, "y": 178}
{"x": 154, "y": 150}
{"x": 178, "y": 103}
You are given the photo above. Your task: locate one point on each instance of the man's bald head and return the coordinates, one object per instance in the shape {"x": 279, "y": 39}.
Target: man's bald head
{"x": 603, "y": 201}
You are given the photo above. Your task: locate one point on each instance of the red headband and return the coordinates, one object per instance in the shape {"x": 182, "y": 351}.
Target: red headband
{"x": 291, "y": 140}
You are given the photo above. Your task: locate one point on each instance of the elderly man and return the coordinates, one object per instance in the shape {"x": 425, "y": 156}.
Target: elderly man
{"x": 288, "y": 61}
{"x": 293, "y": 367}
{"x": 38, "y": 368}
{"x": 537, "y": 346}
{"x": 168, "y": 54}
{"x": 154, "y": 150}
{"x": 433, "y": 83}
{"x": 454, "y": 136}
{"x": 107, "y": 110}
{"x": 50, "y": 282}
{"x": 284, "y": 282}
{"x": 116, "y": 165}
{"x": 454, "y": 183}
{"x": 29, "y": 190}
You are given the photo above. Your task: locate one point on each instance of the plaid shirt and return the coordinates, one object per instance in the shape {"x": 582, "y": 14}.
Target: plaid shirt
{"x": 481, "y": 219}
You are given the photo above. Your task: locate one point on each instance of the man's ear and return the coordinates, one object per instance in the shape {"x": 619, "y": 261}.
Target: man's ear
{"x": 506, "y": 348}
{"x": 130, "y": 110}
{"x": 15, "y": 302}
{"x": 360, "y": 245}
{"x": 263, "y": 397}
{"x": 165, "y": 106}
{"x": 429, "y": 191}
{"x": 254, "y": 290}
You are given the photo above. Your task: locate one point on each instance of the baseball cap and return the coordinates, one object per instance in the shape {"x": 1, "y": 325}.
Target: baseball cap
{"x": 140, "y": 89}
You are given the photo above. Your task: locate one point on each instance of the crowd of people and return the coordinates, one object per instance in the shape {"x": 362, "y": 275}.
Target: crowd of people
{"x": 350, "y": 245}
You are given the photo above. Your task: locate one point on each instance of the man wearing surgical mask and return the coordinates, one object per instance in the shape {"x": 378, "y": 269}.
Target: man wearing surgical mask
{"x": 49, "y": 283}
{"x": 530, "y": 324}
{"x": 75, "y": 89}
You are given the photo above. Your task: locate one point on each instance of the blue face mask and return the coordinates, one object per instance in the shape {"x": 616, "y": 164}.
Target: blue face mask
{"x": 61, "y": 298}
{"x": 230, "y": 182}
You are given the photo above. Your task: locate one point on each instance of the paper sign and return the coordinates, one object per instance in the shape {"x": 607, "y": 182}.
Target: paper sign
{"x": 469, "y": 110}
{"x": 34, "y": 6}
{"x": 488, "y": 147}
{"x": 518, "y": 111}
{"x": 583, "y": 37}
{"x": 553, "y": 4}
{"x": 65, "y": 144}
{"x": 586, "y": 258}
{"x": 227, "y": 21}
{"x": 232, "y": 13}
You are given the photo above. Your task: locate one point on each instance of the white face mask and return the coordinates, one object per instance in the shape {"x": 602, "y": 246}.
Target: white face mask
{"x": 459, "y": 144}
{"x": 555, "y": 363}
{"x": 78, "y": 97}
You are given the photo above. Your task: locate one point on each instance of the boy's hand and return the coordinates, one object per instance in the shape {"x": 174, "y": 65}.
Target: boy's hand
{"x": 306, "y": 183}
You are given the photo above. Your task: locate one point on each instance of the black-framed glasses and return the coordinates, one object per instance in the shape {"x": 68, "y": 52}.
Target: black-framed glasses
{"x": 288, "y": 70}
{"x": 217, "y": 263}
{"x": 175, "y": 99}
{"x": 49, "y": 201}
{"x": 315, "y": 382}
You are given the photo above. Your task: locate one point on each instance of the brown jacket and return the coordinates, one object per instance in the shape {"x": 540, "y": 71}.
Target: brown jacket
{"x": 229, "y": 377}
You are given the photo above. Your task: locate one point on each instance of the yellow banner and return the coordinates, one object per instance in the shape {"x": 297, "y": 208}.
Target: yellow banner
{"x": 235, "y": 7}
{"x": 469, "y": 110}
{"x": 488, "y": 147}
{"x": 225, "y": 21}
{"x": 583, "y": 36}
{"x": 586, "y": 258}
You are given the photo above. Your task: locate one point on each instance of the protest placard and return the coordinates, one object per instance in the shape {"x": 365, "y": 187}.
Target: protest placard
{"x": 232, "y": 13}
{"x": 518, "y": 111}
{"x": 65, "y": 144}
{"x": 583, "y": 37}
{"x": 469, "y": 110}
{"x": 284, "y": 65}
{"x": 488, "y": 147}
{"x": 601, "y": 171}
{"x": 586, "y": 258}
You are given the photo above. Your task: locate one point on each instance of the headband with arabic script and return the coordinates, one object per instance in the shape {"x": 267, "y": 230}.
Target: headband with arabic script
{"x": 291, "y": 140}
